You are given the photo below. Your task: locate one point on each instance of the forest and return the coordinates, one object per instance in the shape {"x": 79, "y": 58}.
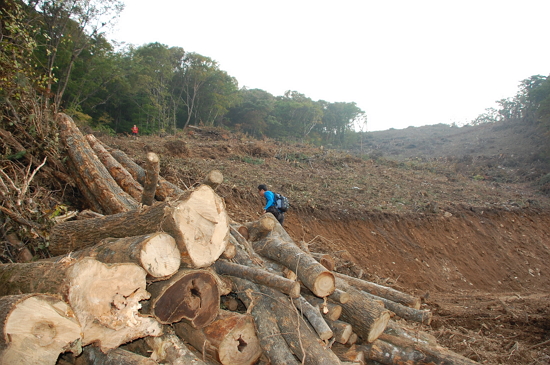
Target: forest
{"x": 56, "y": 57}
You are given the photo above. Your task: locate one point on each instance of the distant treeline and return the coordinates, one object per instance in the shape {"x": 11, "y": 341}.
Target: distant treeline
{"x": 59, "y": 50}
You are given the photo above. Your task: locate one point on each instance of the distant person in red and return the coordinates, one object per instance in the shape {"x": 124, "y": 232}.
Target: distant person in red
{"x": 135, "y": 131}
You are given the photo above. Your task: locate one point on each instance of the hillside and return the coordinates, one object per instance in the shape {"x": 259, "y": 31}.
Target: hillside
{"x": 456, "y": 215}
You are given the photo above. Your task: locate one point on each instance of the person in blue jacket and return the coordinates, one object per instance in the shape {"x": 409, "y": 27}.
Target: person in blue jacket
{"x": 270, "y": 203}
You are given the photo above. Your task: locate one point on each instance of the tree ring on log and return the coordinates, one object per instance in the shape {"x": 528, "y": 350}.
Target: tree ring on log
{"x": 379, "y": 326}
{"x": 156, "y": 247}
{"x": 324, "y": 284}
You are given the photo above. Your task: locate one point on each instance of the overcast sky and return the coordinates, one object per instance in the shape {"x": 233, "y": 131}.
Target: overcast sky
{"x": 404, "y": 62}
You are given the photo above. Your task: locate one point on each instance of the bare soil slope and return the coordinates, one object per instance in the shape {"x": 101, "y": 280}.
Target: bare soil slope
{"x": 469, "y": 230}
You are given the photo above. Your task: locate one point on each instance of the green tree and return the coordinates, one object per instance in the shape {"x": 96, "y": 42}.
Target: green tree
{"x": 253, "y": 113}
{"x": 338, "y": 119}
{"x": 297, "y": 115}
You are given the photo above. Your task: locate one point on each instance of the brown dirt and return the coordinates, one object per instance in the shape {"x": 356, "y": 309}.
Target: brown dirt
{"x": 477, "y": 250}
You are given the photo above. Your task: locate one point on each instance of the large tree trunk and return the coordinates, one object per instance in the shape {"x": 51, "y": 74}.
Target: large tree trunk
{"x": 165, "y": 188}
{"x": 379, "y": 290}
{"x": 122, "y": 177}
{"x": 37, "y": 328}
{"x": 369, "y": 318}
{"x": 272, "y": 342}
{"x": 156, "y": 253}
{"x": 190, "y": 295}
{"x": 258, "y": 276}
{"x": 311, "y": 273}
{"x": 105, "y": 298}
{"x": 197, "y": 221}
{"x": 94, "y": 174}
{"x": 230, "y": 339}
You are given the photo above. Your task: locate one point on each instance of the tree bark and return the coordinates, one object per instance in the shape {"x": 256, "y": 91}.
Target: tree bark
{"x": 392, "y": 350}
{"x": 311, "y": 273}
{"x": 190, "y": 295}
{"x": 315, "y": 318}
{"x": 379, "y": 290}
{"x": 408, "y": 313}
{"x": 170, "y": 349}
{"x": 94, "y": 356}
{"x": 89, "y": 198}
{"x": 197, "y": 221}
{"x": 342, "y": 330}
{"x": 156, "y": 253}
{"x": 258, "y": 276}
{"x": 259, "y": 229}
{"x": 100, "y": 183}
{"x": 122, "y": 177}
{"x": 230, "y": 339}
{"x": 165, "y": 188}
{"x": 369, "y": 318}
{"x": 152, "y": 168}
{"x": 272, "y": 342}
{"x": 330, "y": 310}
{"x": 105, "y": 298}
{"x": 37, "y": 328}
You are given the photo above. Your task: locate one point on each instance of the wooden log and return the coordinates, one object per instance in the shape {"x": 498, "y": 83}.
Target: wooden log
{"x": 105, "y": 298}
{"x": 156, "y": 253}
{"x": 165, "y": 189}
{"x": 272, "y": 342}
{"x": 89, "y": 198}
{"x": 94, "y": 356}
{"x": 213, "y": 179}
{"x": 368, "y": 317}
{"x": 36, "y": 328}
{"x": 190, "y": 295}
{"x": 380, "y": 290}
{"x": 311, "y": 273}
{"x": 325, "y": 260}
{"x": 300, "y": 337}
{"x": 259, "y": 229}
{"x": 342, "y": 330}
{"x": 198, "y": 222}
{"x": 122, "y": 177}
{"x": 352, "y": 340}
{"x": 152, "y": 169}
{"x": 351, "y": 354}
{"x": 399, "y": 329}
{"x": 392, "y": 350}
{"x": 339, "y": 296}
{"x": 94, "y": 174}
{"x": 170, "y": 349}
{"x": 408, "y": 313}
{"x": 230, "y": 339}
{"x": 315, "y": 318}
{"x": 22, "y": 253}
{"x": 230, "y": 250}
{"x": 242, "y": 242}
{"x": 258, "y": 276}
{"x": 329, "y": 309}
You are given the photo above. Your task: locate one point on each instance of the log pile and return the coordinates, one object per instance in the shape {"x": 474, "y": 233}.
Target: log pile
{"x": 143, "y": 280}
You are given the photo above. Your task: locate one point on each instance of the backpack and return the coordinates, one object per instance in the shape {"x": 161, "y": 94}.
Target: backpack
{"x": 281, "y": 202}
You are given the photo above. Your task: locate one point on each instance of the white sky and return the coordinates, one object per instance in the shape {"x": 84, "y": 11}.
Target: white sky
{"x": 404, "y": 62}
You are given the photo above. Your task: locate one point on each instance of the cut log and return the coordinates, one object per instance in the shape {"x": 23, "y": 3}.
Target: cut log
{"x": 213, "y": 179}
{"x": 259, "y": 229}
{"x": 152, "y": 169}
{"x": 398, "y": 329}
{"x": 89, "y": 198}
{"x": 311, "y": 273}
{"x": 408, "y": 313}
{"x": 329, "y": 309}
{"x": 190, "y": 295}
{"x": 314, "y": 317}
{"x": 339, "y": 296}
{"x": 379, "y": 290}
{"x": 36, "y": 328}
{"x": 122, "y": 177}
{"x": 325, "y": 260}
{"x": 105, "y": 298}
{"x": 94, "y": 356}
{"x": 165, "y": 188}
{"x": 392, "y": 350}
{"x": 301, "y": 338}
{"x": 342, "y": 330}
{"x": 258, "y": 276}
{"x": 22, "y": 253}
{"x": 230, "y": 339}
{"x": 230, "y": 250}
{"x": 170, "y": 349}
{"x": 157, "y": 253}
{"x": 242, "y": 242}
{"x": 368, "y": 317}
{"x": 352, "y": 354}
{"x": 272, "y": 342}
{"x": 94, "y": 174}
{"x": 198, "y": 222}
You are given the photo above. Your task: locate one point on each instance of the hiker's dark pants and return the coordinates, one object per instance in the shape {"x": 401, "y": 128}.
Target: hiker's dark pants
{"x": 276, "y": 213}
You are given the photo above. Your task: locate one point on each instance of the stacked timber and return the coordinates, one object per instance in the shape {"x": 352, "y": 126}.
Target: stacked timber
{"x": 142, "y": 280}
